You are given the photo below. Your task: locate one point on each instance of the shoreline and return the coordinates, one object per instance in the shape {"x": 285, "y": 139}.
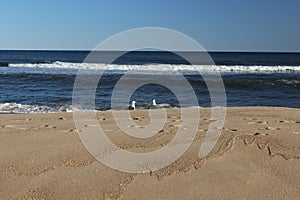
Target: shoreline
{"x": 146, "y": 109}
{"x": 41, "y": 156}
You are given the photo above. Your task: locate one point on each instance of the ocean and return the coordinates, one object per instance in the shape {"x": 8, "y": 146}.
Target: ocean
{"x": 42, "y": 81}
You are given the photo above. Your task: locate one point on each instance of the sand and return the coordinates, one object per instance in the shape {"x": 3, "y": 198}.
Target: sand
{"x": 256, "y": 157}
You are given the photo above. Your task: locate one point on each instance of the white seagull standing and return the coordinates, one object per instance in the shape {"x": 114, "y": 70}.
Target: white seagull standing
{"x": 154, "y": 105}
{"x": 132, "y": 107}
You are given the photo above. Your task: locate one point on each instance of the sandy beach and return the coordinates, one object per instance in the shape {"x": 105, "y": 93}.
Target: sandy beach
{"x": 256, "y": 157}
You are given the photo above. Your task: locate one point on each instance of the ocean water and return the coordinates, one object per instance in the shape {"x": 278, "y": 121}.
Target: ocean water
{"x": 42, "y": 81}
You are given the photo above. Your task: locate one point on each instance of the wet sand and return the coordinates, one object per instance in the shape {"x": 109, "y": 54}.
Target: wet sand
{"x": 256, "y": 157}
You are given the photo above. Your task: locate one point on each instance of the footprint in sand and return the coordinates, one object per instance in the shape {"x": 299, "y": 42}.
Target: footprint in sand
{"x": 208, "y": 120}
{"x": 136, "y": 126}
{"x": 258, "y": 133}
{"x": 231, "y": 129}
{"x": 62, "y": 118}
{"x": 69, "y": 130}
{"x": 164, "y": 131}
{"x": 132, "y": 126}
{"x": 91, "y": 125}
{"x": 263, "y": 122}
{"x": 287, "y": 121}
{"x": 9, "y": 126}
{"x": 272, "y": 128}
{"x": 136, "y": 118}
{"x": 48, "y": 126}
{"x": 100, "y": 119}
{"x": 175, "y": 125}
{"x": 247, "y": 118}
{"x": 259, "y": 122}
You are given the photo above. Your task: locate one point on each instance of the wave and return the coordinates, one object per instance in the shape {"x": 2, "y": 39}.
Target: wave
{"x": 15, "y": 108}
{"x": 20, "y": 108}
{"x": 65, "y": 67}
{"x": 290, "y": 82}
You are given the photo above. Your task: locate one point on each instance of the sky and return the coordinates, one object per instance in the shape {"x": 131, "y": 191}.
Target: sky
{"x": 218, "y": 25}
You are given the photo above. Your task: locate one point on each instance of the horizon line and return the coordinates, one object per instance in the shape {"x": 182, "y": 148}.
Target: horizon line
{"x": 153, "y": 50}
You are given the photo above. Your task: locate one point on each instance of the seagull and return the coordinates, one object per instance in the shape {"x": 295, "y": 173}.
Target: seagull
{"x": 132, "y": 107}
{"x": 154, "y": 105}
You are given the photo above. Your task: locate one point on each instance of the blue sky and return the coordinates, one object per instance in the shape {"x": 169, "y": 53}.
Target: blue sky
{"x": 230, "y": 25}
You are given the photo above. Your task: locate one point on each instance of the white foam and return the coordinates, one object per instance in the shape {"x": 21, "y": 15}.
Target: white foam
{"x": 20, "y": 108}
{"x": 155, "y": 68}
{"x": 291, "y": 82}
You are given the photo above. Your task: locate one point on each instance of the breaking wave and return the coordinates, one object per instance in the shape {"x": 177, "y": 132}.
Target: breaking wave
{"x": 20, "y": 108}
{"x": 65, "y": 67}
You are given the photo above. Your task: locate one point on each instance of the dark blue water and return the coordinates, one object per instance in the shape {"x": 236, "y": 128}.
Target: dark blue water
{"x": 145, "y": 57}
{"x": 53, "y": 86}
